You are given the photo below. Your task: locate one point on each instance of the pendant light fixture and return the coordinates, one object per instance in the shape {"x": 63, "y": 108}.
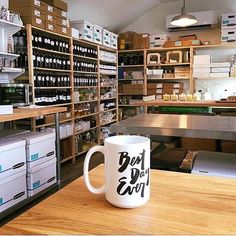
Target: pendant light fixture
{"x": 183, "y": 19}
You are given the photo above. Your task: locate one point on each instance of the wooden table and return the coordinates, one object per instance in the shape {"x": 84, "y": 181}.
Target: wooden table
{"x": 180, "y": 204}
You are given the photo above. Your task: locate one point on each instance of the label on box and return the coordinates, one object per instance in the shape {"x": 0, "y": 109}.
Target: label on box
{"x": 50, "y": 27}
{"x": 63, "y": 13}
{"x": 38, "y": 21}
{"x": 34, "y": 157}
{"x": 176, "y": 85}
{"x": 64, "y": 30}
{"x": 159, "y": 91}
{"x": 64, "y": 22}
{"x": 37, "y": 13}
{"x": 37, "y": 3}
{"x": 50, "y": 8}
{"x": 50, "y": 17}
{"x": 178, "y": 43}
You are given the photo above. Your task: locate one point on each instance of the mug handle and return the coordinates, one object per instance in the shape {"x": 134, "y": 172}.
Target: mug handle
{"x": 86, "y": 170}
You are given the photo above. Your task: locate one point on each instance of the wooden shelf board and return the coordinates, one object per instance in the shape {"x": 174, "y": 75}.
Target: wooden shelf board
{"x": 50, "y": 124}
{"x": 104, "y": 99}
{"x": 169, "y": 64}
{"x": 131, "y": 66}
{"x": 84, "y": 57}
{"x": 85, "y": 72}
{"x": 49, "y": 69}
{"x": 83, "y": 116}
{"x": 131, "y": 51}
{"x": 109, "y": 110}
{"x": 66, "y": 159}
{"x": 96, "y": 100}
{"x": 51, "y": 51}
{"x": 83, "y": 131}
{"x": 53, "y": 88}
{"x": 108, "y": 123}
{"x": 83, "y": 87}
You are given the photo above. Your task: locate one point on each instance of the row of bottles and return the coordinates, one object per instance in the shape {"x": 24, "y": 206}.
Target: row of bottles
{"x": 86, "y": 66}
{"x": 20, "y": 40}
{"x": 51, "y": 80}
{"x": 52, "y": 97}
{"x": 84, "y": 51}
{"x": 50, "y": 42}
{"x": 22, "y": 60}
{"x": 85, "y": 80}
{"x": 51, "y": 61}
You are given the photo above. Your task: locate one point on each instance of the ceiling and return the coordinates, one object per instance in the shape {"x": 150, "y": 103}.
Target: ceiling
{"x": 113, "y": 15}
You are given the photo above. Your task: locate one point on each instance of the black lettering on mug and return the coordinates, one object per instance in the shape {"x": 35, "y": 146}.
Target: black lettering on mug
{"x": 136, "y": 174}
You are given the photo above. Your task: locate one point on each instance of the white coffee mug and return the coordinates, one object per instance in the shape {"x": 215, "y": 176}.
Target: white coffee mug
{"x": 127, "y": 167}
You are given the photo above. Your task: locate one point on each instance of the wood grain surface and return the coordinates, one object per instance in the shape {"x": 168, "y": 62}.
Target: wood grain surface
{"x": 28, "y": 113}
{"x": 186, "y": 103}
{"x": 180, "y": 204}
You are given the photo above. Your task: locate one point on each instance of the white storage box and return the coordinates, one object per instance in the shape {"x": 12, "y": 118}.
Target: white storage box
{"x": 12, "y": 157}
{"x": 97, "y": 34}
{"x": 85, "y": 29}
{"x": 6, "y": 109}
{"x": 220, "y": 69}
{"x": 114, "y": 40}
{"x": 158, "y": 40}
{"x": 12, "y": 190}
{"x": 228, "y": 20}
{"x": 41, "y": 176}
{"x": 219, "y": 75}
{"x": 202, "y": 59}
{"x": 228, "y": 35}
{"x": 74, "y": 33}
{"x": 220, "y": 64}
{"x": 40, "y": 147}
{"x": 106, "y": 38}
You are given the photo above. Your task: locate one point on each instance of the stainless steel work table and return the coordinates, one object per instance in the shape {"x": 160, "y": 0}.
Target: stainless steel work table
{"x": 194, "y": 126}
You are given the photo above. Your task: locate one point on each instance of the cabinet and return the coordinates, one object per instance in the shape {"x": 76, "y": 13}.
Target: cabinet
{"x": 170, "y": 70}
{"x": 7, "y": 70}
{"x": 132, "y": 80}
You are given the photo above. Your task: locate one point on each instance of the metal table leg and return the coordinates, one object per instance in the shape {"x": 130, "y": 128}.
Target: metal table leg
{"x": 58, "y": 154}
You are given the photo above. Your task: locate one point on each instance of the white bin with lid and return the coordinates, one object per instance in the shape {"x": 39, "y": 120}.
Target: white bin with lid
{"x": 40, "y": 147}
{"x": 12, "y": 157}
{"x": 12, "y": 190}
{"x": 41, "y": 176}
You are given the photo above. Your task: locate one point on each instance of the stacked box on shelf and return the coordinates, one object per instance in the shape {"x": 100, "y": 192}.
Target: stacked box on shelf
{"x": 159, "y": 89}
{"x": 86, "y": 29}
{"x": 228, "y": 27}
{"x": 201, "y": 66}
{"x": 40, "y": 14}
{"x": 156, "y": 41}
{"x": 40, "y": 159}
{"x": 12, "y": 172}
{"x": 220, "y": 70}
{"x": 182, "y": 72}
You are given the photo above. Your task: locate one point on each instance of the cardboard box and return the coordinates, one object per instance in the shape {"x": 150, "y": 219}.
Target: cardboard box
{"x": 58, "y": 3}
{"x": 228, "y": 24}
{"x": 74, "y": 33}
{"x": 114, "y": 40}
{"x": 62, "y": 22}
{"x": 106, "y": 38}
{"x": 172, "y": 90}
{"x": 16, "y": 4}
{"x": 48, "y": 8}
{"x": 126, "y": 40}
{"x": 173, "y": 85}
{"x": 180, "y": 69}
{"x": 141, "y": 41}
{"x": 228, "y": 35}
{"x": 133, "y": 89}
{"x": 188, "y": 37}
{"x": 63, "y": 30}
{"x": 182, "y": 75}
{"x": 228, "y": 146}
{"x": 202, "y": 60}
{"x": 60, "y": 13}
{"x": 182, "y": 43}
{"x": 31, "y": 11}
{"x": 12, "y": 190}
{"x": 50, "y": 18}
{"x": 6, "y": 109}
{"x": 50, "y": 26}
{"x": 12, "y": 157}
{"x": 34, "y": 21}
{"x": 85, "y": 29}
{"x": 41, "y": 176}
{"x": 220, "y": 69}
{"x": 195, "y": 144}
{"x": 97, "y": 34}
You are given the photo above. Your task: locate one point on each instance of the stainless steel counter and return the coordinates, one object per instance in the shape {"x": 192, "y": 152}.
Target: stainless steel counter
{"x": 195, "y": 126}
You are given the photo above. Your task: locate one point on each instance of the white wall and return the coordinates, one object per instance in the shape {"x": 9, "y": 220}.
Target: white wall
{"x": 4, "y": 3}
{"x": 154, "y": 21}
